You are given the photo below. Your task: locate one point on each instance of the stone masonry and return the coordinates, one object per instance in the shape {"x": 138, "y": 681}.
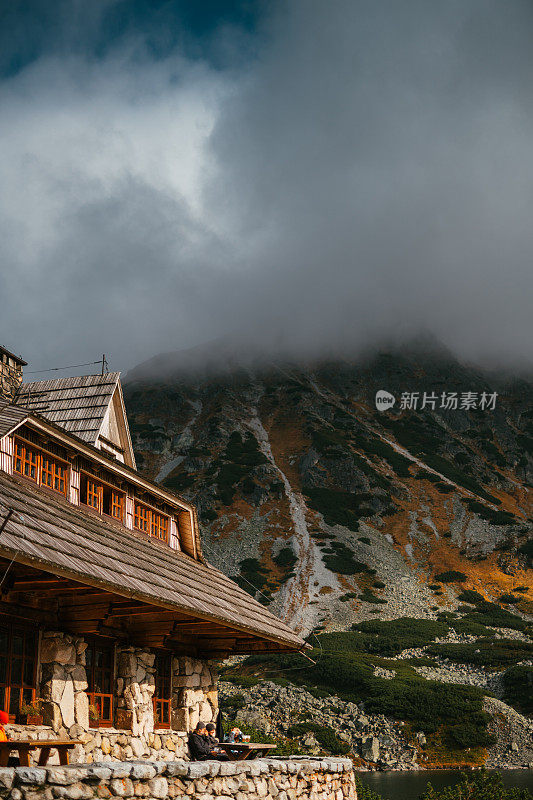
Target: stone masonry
{"x": 63, "y": 683}
{"x": 194, "y": 693}
{"x": 65, "y": 705}
{"x": 262, "y": 779}
{"x": 135, "y": 688}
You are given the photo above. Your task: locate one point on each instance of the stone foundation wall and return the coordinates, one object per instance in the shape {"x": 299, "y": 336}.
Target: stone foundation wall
{"x": 109, "y": 744}
{"x": 194, "y": 693}
{"x": 262, "y": 779}
{"x": 63, "y": 683}
{"x": 135, "y": 688}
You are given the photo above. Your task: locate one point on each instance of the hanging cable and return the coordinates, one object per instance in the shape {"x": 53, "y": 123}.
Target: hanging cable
{"x": 57, "y": 369}
{"x": 268, "y": 600}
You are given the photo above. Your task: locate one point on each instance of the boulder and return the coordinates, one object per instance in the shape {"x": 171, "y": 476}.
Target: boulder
{"x": 81, "y": 710}
{"x": 127, "y": 664}
{"x": 58, "y": 650}
{"x": 370, "y": 748}
{"x": 79, "y": 678}
{"x": 66, "y": 704}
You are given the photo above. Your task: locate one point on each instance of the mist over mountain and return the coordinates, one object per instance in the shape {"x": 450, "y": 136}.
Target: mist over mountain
{"x": 294, "y": 458}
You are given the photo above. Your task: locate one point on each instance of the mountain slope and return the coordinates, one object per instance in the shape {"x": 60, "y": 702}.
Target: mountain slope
{"x": 330, "y": 510}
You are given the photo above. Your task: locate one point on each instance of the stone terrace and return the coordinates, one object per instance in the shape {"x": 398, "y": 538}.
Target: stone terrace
{"x": 262, "y": 779}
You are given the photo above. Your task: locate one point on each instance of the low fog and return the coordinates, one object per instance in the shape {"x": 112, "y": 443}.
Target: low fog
{"x": 348, "y": 171}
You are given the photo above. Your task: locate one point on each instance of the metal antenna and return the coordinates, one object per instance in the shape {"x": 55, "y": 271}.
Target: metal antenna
{"x": 105, "y": 367}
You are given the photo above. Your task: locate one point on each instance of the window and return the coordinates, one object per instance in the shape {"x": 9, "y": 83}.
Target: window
{"x": 151, "y": 522}
{"x": 101, "y": 497}
{"x": 18, "y": 650}
{"x": 163, "y": 672}
{"x": 38, "y": 466}
{"x": 100, "y": 673}
{"x": 159, "y": 526}
{"x": 53, "y": 474}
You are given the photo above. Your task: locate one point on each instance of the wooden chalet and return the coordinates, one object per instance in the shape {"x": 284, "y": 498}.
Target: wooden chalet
{"x": 105, "y": 594}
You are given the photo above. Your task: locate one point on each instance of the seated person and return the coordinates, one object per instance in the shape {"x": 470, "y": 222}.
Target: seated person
{"x": 4, "y": 719}
{"x": 13, "y": 761}
{"x": 216, "y": 751}
{"x": 235, "y": 735}
{"x": 200, "y": 748}
{"x": 211, "y": 728}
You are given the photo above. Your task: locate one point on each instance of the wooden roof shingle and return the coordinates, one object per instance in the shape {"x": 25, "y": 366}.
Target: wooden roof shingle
{"x": 77, "y": 404}
{"x": 52, "y": 535}
{"x": 11, "y": 416}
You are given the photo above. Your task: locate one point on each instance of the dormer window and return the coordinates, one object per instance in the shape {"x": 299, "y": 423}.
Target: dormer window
{"x": 37, "y": 465}
{"x": 150, "y": 521}
{"x": 102, "y": 497}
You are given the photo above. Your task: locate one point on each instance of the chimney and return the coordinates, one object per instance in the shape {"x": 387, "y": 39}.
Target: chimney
{"x": 10, "y": 374}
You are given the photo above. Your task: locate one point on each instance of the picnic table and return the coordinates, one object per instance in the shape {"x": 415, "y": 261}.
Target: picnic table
{"x": 239, "y": 751}
{"x": 24, "y": 746}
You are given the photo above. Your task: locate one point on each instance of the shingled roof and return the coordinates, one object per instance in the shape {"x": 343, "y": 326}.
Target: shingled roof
{"x": 78, "y": 404}
{"x": 11, "y": 416}
{"x": 51, "y": 535}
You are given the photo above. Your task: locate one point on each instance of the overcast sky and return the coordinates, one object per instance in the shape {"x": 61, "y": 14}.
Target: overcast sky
{"x": 308, "y": 175}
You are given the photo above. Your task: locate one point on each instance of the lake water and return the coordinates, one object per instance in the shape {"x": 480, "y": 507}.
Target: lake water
{"x": 410, "y": 785}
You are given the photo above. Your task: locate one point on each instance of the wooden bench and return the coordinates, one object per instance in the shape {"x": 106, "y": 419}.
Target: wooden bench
{"x": 239, "y": 751}
{"x": 24, "y": 746}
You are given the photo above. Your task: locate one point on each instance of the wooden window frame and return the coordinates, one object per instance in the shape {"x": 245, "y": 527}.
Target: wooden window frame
{"x": 26, "y": 690}
{"x": 154, "y": 519}
{"x": 117, "y": 500}
{"x": 41, "y": 455}
{"x": 162, "y": 704}
{"x": 99, "y": 698}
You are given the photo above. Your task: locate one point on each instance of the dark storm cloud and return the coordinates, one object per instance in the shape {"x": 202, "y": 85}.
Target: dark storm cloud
{"x": 366, "y": 173}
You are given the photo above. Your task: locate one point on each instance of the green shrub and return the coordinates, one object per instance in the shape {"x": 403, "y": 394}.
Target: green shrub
{"x": 364, "y": 540}
{"x": 495, "y": 517}
{"x": 467, "y": 734}
{"x": 325, "y": 737}
{"x": 341, "y": 559}
{"x": 508, "y": 599}
{"x": 286, "y": 558}
{"x": 485, "y": 653}
{"x": 369, "y": 597}
{"x": 452, "y": 576}
{"x": 471, "y": 596}
{"x": 388, "y": 638}
{"x": 492, "y": 615}
{"x": 477, "y": 786}
{"x": 339, "y": 507}
{"x": 527, "y": 549}
{"x": 239, "y": 458}
{"x": 235, "y": 702}
{"x": 378, "y": 585}
{"x": 208, "y": 515}
{"x": 178, "y": 480}
{"x": 365, "y": 792}
{"x": 253, "y": 576}
{"x": 518, "y": 688}
{"x": 244, "y": 681}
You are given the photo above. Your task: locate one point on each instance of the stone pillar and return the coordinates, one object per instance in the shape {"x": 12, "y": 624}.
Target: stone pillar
{"x": 194, "y": 693}
{"x": 64, "y": 683}
{"x": 135, "y": 689}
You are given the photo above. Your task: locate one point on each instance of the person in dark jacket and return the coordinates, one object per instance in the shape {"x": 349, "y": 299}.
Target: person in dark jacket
{"x": 200, "y": 747}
